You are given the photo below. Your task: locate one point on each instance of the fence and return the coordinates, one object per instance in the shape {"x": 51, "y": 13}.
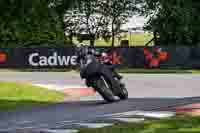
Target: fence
{"x": 134, "y": 57}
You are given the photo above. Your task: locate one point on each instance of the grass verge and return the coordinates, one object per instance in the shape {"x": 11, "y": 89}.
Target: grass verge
{"x": 196, "y": 71}
{"x": 21, "y": 95}
{"x": 179, "y": 124}
{"x": 135, "y": 39}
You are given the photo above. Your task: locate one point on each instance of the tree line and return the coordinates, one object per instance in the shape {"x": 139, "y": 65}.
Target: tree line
{"x": 173, "y": 22}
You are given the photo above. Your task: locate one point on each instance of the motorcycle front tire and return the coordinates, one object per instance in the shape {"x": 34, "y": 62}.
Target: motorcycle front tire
{"x": 103, "y": 88}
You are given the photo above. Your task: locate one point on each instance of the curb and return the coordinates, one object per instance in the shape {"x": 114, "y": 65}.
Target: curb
{"x": 71, "y": 91}
{"x": 191, "y": 109}
{"x": 80, "y": 91}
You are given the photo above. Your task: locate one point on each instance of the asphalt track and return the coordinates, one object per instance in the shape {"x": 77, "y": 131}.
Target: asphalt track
{"x": 146, "y": 92}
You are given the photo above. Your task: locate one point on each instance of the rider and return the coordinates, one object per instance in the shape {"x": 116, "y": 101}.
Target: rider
{"x": 104, "y": 57}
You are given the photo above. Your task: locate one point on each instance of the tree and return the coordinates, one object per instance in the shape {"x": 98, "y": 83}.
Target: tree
{"x": 25, "y": 21}
{"x": 85, "y": 19}
{"x": 72, "y": 23}
{"x": 101, "y": 17}
{"x": 118, "y": 11}
{"x": 31, "y": 20}
{"x": 174, "y": 21}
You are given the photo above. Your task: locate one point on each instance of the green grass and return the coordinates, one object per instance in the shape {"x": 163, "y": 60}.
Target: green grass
{"x": 179, "y": 124}
{"x": 20, "y": 95}
{"x": 196, "y": 71}
{"x": 139, "y": 39}
{"x": 135, "y": 39}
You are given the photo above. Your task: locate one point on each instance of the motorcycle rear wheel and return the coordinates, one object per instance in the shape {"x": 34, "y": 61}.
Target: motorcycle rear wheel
{"x": 124, "y": 93}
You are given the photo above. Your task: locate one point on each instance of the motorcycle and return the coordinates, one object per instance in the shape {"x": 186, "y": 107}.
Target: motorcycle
{"x": 100, "y": 76}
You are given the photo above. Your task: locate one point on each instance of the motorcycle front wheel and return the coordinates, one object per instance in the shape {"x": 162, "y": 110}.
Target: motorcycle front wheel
{"x": 104, "y": 89}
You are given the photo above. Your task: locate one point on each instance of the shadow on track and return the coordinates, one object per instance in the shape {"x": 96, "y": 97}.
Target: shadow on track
{"x": 145, "y": 104}
{"x": 132, "y": 103}
{"x": 90, "y": 110}
{"x": 100, "y": 107}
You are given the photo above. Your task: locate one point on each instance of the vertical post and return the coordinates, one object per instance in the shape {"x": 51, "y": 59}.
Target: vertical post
{"x": 155, "y": 38}
{"x": 130, "y": 37}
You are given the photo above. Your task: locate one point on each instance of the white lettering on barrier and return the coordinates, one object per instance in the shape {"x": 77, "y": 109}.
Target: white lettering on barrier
{"x": 30, "y": 59}
{"x": 54, "y": 60}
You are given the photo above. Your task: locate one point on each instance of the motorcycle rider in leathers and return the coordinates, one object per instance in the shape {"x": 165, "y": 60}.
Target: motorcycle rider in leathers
{"x": 104, "y": 57}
